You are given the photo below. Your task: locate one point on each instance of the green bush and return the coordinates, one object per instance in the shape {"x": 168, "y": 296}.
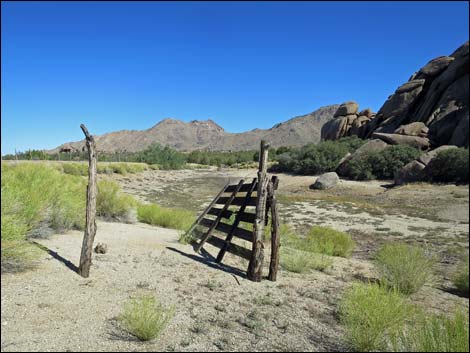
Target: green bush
{"x": 326, "y": 241}
{"x": 111, "y": 202}
{"x": 165, "y": 217}
{"x": 145, "y": 317}
{"x": 35, "y": 196}
{"x": 435, "y": 333}
{"x": 403, "y": 267}
{"x": 299, "y": 261}
{"x": 460, "y": 277}
{"x": 372, "y": 316}
{"x": 450, "y": 166}
{"x": 381, "y": 164}
{"x": 318, "y": 158}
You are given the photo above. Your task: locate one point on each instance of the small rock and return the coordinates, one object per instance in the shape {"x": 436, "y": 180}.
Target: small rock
{"x": 101, "y": 248}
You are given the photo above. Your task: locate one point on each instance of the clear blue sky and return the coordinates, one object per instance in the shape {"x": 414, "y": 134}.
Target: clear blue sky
{"x": 128, "y": 65}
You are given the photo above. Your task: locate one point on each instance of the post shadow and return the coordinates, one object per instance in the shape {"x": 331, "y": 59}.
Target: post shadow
{"x": 56, "y": 256}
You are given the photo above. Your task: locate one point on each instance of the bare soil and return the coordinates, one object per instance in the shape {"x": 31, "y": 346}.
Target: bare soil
{"x": 217, "y": 309}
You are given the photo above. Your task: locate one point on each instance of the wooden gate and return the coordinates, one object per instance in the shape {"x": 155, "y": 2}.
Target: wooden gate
{"x": 235, "y": 204}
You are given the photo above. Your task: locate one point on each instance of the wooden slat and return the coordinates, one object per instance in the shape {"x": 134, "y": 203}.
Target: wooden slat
{"x": 233, "y": 248}
{"x": 247, "y": 217}
{"x": 226, "y": 228}
{"x": 244, "y": 216}
{"x": 219, "y": 217}
{"x": 244, "y": 188}
{"x": 215, "y": 212}
{"x": 237, "y": 201}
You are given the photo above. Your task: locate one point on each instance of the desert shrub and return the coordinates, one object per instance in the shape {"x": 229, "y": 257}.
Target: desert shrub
{"x": 435, "y": 333}
{"x": 326, "y": 241}
{"x": 381, "y": 164}
{"x": 450, "y": 166}
{"x": 166, "y": 157}
{"x": 460, "y": 277}
{"x": 35, "y": 196}
{"x": 299, "y": 261}
{"x": 111, "y": 202}
{"x": 404, "y": 267}
{"x": 314, "y": 159}
{"x": 75, "y": 168}
{"x": 104, "y": 168}
{"x": 372, "y": 316}
{"x": 145, "y": 317}
{"x": 175, "y": 218}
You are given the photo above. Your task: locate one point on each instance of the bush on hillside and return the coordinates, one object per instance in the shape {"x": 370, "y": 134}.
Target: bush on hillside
{"x": 450, "y": 166}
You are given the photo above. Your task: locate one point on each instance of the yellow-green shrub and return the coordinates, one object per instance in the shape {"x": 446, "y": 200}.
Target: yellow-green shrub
{"x": 111, "y": 201}
{"x": 175, "y": 218}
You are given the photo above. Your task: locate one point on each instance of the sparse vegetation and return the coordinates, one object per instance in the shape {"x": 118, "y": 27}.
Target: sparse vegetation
{"x": 461, "y": 276}
{"x": 404, "y": 267}
{"x": 326, "y": 241}
{"x": 373, "y": 316}
{"x": 298, "y": 261}
{"x": 165, "y": 217}
{"x": 145, "y": 317}
{"x": 435, "y": 333}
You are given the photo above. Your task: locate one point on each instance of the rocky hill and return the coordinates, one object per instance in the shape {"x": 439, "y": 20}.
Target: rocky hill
{"x": 430, "y": 110}
{"x": 207, "y": 135}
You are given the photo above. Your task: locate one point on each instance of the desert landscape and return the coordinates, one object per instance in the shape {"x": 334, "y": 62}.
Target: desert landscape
{"x": 235, "y": 177}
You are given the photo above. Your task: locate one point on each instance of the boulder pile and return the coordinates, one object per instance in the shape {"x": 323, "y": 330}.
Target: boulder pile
{"x": 428, "y": 111}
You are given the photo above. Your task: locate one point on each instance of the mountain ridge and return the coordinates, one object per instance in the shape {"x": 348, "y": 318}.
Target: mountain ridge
{"x": 208, "y": 135}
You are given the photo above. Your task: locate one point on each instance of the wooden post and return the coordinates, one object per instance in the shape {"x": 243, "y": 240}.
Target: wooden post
{"x": 275, "y": 236}
{"x": 257, "y": 255}
{"x": 90, "y": 227}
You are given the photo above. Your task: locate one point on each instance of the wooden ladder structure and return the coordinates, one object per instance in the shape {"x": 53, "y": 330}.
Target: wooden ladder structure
{"x": 236, "y": 201}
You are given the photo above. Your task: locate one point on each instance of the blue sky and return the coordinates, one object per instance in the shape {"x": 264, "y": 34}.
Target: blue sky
{"x": 128, "y": 65}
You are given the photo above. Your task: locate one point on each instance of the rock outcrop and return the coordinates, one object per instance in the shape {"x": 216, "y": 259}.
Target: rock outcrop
{"x": 433, "y": 105}
{"x": 346, "y": 122}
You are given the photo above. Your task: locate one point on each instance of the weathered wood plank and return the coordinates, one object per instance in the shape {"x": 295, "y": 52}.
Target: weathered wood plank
{"x": 90, "y": 221}
{"x": 255, "y": 267}
{"x": 235, "y": 224}
{"x": 237, "y": 201}
{"x": 232, "y": 248}
{"x": 226, "y": 228}
{"x": 208, "y": 208}
{"x": 244, "y": 188}
{"x": 216, "y": 211}
{"x": 219, "y": 217}
{"x": 275, "y": 236}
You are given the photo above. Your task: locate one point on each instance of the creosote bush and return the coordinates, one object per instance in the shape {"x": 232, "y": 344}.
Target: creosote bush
{"x": 372, "y": 316}
{"x": 145, "y": 317}
{"x": 404, "y": 267}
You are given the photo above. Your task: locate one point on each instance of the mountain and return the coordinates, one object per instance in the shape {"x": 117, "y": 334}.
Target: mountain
{"x": 207, "y": 135}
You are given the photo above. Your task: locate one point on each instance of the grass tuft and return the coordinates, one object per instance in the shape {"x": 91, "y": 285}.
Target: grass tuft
{"x": 145, "y": 317}
{"x": 404, "y": 267}
{"x": 111, "y": 202}
{"x": 461, "y": 276}
{"x": 372, "y": 316}
{"x": 298, "y": 261}
{"x": 175, "y": 218}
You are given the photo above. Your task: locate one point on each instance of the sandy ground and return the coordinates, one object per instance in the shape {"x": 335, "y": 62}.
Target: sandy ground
{"x": 217, "y": 309}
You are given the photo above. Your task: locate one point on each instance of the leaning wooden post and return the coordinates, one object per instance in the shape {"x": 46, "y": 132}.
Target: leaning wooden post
{"x": 90, "y": 227}
{"x": 275, "y": 236}
{"x": 255, "y": 267}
